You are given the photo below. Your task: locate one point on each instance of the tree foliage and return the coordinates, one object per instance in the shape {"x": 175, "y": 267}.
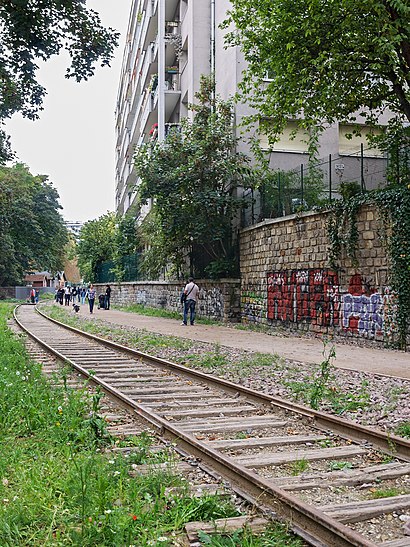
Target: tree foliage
{"x": 32, "y": 231}
{"x": 324, "y": 60}
{"x": 36, "y": 30}
{"x": 109, "y": 238}
{"x": 194, "y": 176}
{"x": 97, "y": 244}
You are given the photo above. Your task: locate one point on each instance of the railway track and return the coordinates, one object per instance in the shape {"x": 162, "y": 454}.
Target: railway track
{"x": 337, "y": 483}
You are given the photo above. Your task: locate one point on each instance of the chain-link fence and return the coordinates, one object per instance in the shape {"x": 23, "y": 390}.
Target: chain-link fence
{"x": 309, "y": 186}
{"x": 127, "y": 270}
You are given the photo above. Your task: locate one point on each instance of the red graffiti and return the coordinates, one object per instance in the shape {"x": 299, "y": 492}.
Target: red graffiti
{"x": 279, "y": 300}
{"x": 304, "y": 296}
{"x": 358, "y": 286}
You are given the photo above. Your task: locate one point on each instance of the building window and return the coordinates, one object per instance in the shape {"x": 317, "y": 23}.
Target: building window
{"x": 350, "y": 141}
{"x": 293, "y": 139}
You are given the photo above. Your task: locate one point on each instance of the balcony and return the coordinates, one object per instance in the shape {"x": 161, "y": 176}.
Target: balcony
{"x": 154, "y": 49}
{"x": 147, "y": 115}
{"x": 172, "y": 79}
{"x": 172, "y": 27}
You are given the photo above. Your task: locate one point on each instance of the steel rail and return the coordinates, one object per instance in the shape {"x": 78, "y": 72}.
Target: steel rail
{"x": 391, "y": 444}
{"x": 318, "y": 528}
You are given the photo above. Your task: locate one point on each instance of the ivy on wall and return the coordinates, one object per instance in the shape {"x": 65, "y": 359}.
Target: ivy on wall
{"x": 394, "y": 207}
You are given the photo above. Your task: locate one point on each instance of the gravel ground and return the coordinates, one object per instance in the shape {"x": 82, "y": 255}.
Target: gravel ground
{"x": 365, "y": 398}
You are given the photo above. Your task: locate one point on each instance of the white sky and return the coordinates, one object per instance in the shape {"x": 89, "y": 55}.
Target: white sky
{"x": 74, "y": 140}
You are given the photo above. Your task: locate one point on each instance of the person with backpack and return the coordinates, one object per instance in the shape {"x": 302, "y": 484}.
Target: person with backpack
{"x": 189, "y": 299}
{"x": 91, "y": 297}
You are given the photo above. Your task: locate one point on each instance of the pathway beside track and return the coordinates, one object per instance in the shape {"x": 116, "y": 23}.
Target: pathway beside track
{"x": 302, "y": 349}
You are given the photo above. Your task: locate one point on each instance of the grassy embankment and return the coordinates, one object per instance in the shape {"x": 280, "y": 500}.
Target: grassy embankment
{"x": 59, "y": 485}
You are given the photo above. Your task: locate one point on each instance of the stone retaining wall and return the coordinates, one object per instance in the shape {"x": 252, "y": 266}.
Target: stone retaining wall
{"x": 218, "y": 300}
{"x": 287, "y": 281}
{"x": 7, "y": 292}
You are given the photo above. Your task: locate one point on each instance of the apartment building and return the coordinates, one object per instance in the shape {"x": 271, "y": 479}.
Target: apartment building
{"x": 74, "y": 227}
{"x": 167, "y": 49}
{"x": 170, "y": 43}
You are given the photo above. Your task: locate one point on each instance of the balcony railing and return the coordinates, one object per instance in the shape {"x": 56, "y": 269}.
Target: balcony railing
{"x": 172, "y": 27}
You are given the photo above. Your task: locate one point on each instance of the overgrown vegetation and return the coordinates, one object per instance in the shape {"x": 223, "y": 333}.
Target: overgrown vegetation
{"x": 277, "y": 535}
{"x": 141, "y": 340}
{"x": 393, "y": 204}
{"x": 193, "y": 176}
{"x": 320, "y": 390}
{"x": 58, "y": 485}
{"x": 37, "y": 30}
{"x": 32, "y": 230}
{"x": 296, "y": 61}
{"x": 379, "y": 493}
{"x": 403, "y": 429}
{"x": 141, "y": 309}
{"x": 299, "y": 466}
{"x": 111, "y": 242}
{"x": 283, "y": 193}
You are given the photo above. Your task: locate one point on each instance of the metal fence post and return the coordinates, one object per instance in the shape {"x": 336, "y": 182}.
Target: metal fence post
{"x": 301, "y": 184}
{"x": 279, "y": 198}
{"x": 362, "y": 183}
{"x": 330, "y": 177}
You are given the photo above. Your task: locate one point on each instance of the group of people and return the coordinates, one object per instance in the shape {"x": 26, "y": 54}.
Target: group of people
{"x": 34, "y": 295}
{"x": 67, "y": 295}
{"x": 74, "y": 294}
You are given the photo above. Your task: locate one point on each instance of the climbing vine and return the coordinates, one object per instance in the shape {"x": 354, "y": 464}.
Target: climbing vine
{"x": 393, "y": 204}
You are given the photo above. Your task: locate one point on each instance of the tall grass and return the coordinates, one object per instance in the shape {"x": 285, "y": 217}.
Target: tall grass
{"x": 58, "y": 483}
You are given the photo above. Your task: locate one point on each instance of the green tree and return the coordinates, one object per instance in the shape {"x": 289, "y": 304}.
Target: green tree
{"x": 127, "y": 243}
{"x": 97, "y": 244}
{"x": 36, "y": 30}
{"x": 194, "y": 176}
{"x": 324, "y": 61}
{"x": 32, "y": 231}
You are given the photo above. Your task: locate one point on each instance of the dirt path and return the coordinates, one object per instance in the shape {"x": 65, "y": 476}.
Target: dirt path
{"x": 306, "y": 350}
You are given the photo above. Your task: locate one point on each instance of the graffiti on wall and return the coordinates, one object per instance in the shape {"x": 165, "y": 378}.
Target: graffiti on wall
{"x": 314, "y": 296}
{"x": 253, "y": 306}
{"x": 362, "y": 308}
{"x": 310, "y": 295}
{"x": 211, "y": 303}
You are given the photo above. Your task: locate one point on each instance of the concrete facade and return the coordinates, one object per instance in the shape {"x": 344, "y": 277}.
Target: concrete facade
{"x": 170, "y": 44}
{"x": 219, "y": 300}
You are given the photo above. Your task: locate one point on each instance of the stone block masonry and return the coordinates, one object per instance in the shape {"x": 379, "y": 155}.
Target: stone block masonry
{"x": 287, "y": 280}
{"x": 218, "y": 300}
{"x": 7, "y": 292}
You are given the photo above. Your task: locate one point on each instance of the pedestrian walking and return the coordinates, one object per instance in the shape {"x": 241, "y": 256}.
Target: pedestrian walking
{"x": 189, "y": 298}
{"x": 83, "y": 295}
{"x": 67, "y": 295}
{"x": 33, "y": 296}
{"x": 61, "y": 295}
{"x": 56, "y": 295}
{"x": 73, "y": 294}
{"x": 37, "y": 297}
{"x": 107, "y": 298}
{"x": 91, "y": 297}
{"x": 79, "y": 294}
